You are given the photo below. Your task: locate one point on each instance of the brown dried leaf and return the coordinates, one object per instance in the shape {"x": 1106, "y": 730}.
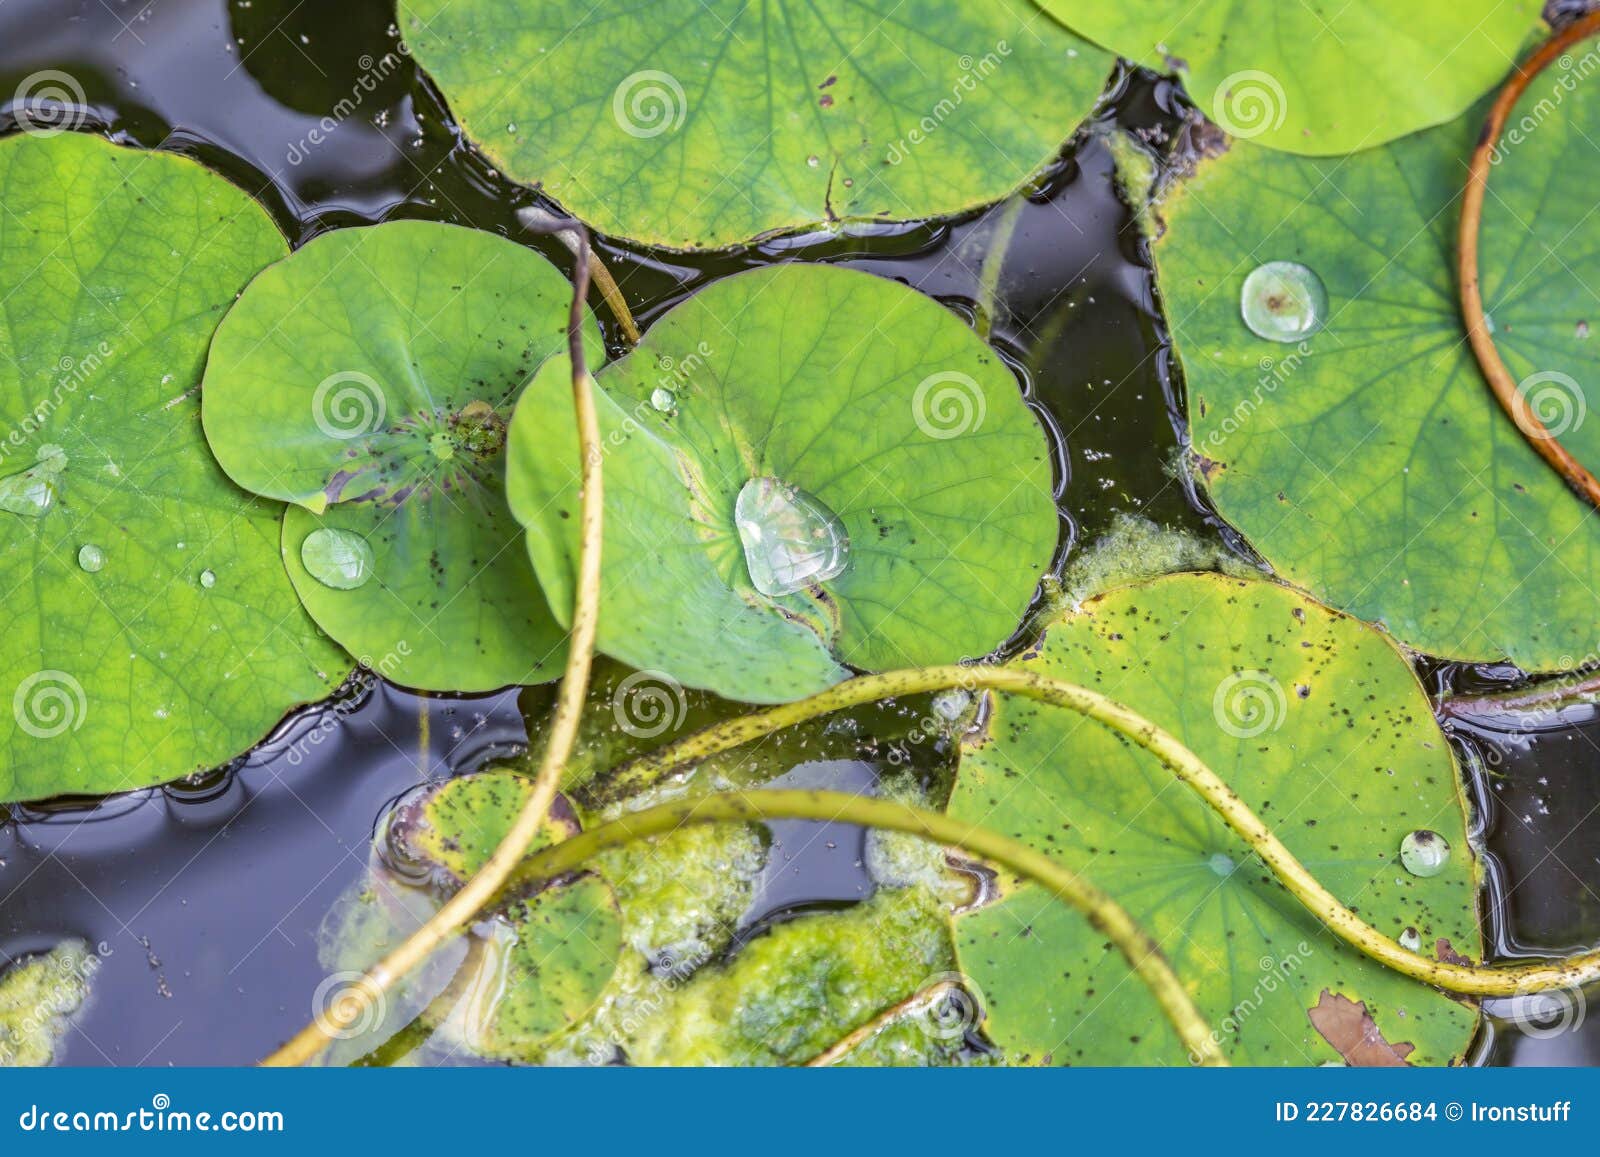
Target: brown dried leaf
{"x": 1445, "y": 951}
{"x": 1346, "y": 1025}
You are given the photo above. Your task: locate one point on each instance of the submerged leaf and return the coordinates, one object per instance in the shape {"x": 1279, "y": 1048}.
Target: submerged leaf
{"x": 796, "y": 990}
{"x": 689, "y": 123}
{"x": 369, "y": 379}
{"x": 1319, "y": 725}
{"x": 1313, "y": 78}
{"x": 887, "y": 421}
{"x": 130, "y": 670}
{"x": 38, "y": 997}
{"x": 1369, "y": 463}
{"x": 548, "y": 953}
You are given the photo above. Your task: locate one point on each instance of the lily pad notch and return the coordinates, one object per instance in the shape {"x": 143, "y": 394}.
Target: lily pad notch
{"x": 369, "y": 381}
{"x": 806, "y": 468}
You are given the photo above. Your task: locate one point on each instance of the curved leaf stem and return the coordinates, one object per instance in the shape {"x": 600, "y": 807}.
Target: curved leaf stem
{"x": 415, "y": 1032}
{"x": 1505, "y": 388}
{"x": 864, "y": 1032}
{"x": 1108, "y": 917}
{"x": 481, "y": 887}
{"x": 1466, "y": 979}
{"x": 1546, "y": 695}
{"x": 989, "y": 305}
{"x": 611, "y": 293}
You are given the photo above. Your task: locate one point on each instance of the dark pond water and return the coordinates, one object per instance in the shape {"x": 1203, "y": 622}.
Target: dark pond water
{"x": 208, "y": 900}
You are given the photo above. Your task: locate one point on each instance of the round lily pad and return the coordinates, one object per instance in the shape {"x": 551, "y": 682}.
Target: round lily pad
{"x": 369, "y": 379}
{"x": 891, "y": 432}
{"x": 1369, "y": 462}
{"x": 1318, "y": 723}
{"x": 1314, "y": 78}
{"x": 690, "y": 123}
{"x": 121, "y": 667}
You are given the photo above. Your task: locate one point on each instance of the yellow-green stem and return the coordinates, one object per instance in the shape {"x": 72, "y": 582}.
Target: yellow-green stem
{"x": 481, "y": 887}
{"x": 1108, "y": 917}
{"x": 1467, "y": 979}
{"x": 862, "y": 1033}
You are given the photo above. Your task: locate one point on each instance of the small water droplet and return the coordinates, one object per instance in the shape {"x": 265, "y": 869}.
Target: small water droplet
{"x": 814, "y": 161}
{"x": 1424, "y": 853}
{"x": 949, "y": 705}
{"x": 1410, "y": 940}
{"x": 791, "y": 540}
{"x": 208, "y": 579}
{"x": 663, "y": 399}
{"x": 1222, "y": 864}
{"x": 1283, "y": 301}
{"x": 337, "y": 558}
{"x": 90, "y": 557}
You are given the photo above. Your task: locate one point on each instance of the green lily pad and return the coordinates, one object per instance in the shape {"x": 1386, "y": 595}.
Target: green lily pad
{"x": 1318, "y": 723}
{"x": 39, "y": 996}
{"x": 688, "y": 123}
{"x": 1369, "y": 462}
{"x": 1318, "y": 79}
{"x": 121, "y": 666}
{"x": 871, "y": 399}
{"x": 369, "y": 379}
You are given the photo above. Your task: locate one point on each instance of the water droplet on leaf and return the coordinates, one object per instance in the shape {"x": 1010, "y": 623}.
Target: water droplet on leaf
{"x": 1283, "y": 301}
{"x": 1410, "y": 940}
{"x": 337, "y": 558}
{"x": 31, "y": 492}
{"x": 791, "y": 540}
{"x": 90, "y": 557}
{"x": 1222, "y": 864}
{"x": 1424, "y": 853}
{"x": 663, "y": 399}
{"x": 208, "y": 579}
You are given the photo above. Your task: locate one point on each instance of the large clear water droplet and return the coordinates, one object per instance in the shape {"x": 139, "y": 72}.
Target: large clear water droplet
{"x": 1283, "y": 301}
{"x": 337, "y": 558}
{"x": 663, "y": 400}
{"x": 90, "y": 557}
{"x": 1222, "y": 864}
{"x": 1424, "y": 853}
{"x": 208, "y": 578}
{"x": 791, "y": 540}
{"x": 1410, "y": 940}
